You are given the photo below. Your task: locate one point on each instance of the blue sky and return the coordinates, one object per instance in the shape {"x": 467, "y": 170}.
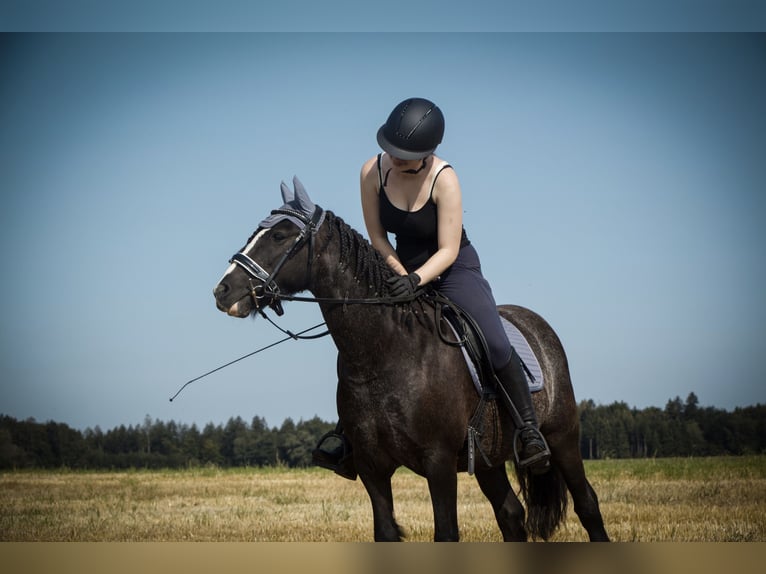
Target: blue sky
{"x": 614, "y": 183}
{"x": 392, "y": 16}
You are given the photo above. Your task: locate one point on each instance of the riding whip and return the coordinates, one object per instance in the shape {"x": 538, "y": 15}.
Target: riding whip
{"x": 289, "y": 336}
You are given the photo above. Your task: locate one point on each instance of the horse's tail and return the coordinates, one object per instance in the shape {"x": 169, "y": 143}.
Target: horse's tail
{"x": 546, "y": 499}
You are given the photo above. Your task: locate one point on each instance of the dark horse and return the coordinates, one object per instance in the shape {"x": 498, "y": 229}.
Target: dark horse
{"x": 405, "y": 397}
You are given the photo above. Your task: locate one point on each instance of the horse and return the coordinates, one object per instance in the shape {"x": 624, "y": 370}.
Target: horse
{"x": 405, "y": 397}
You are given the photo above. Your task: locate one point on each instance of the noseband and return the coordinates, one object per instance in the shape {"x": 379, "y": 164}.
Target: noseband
{"x": 266, "y": 293}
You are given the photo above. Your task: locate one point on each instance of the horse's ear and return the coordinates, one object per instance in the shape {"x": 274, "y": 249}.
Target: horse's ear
{"x": 302, "y": 196}
{"x": 287, "y": 194}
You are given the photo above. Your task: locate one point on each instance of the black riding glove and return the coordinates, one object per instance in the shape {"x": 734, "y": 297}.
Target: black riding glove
{"x": 403, "y": 285}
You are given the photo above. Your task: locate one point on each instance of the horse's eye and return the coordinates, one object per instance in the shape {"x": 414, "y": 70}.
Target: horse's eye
{"x": 278, "y": 236}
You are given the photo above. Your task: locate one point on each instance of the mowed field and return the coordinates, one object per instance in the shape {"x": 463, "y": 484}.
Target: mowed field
{"x": 720, "y": 499}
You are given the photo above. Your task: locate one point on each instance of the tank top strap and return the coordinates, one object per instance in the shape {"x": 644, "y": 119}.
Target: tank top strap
{"x": 380, "y": 172}
{"x": 444, "y": 165}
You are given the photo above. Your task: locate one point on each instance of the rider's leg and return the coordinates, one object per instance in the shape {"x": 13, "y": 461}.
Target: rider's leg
{"x": 464, "y": 284}
{"x": 534, "y": 453}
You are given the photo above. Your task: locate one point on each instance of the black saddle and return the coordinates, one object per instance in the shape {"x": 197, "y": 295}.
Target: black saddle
{"x": 471, "y": 338}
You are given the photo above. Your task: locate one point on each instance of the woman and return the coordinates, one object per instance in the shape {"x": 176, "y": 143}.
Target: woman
{"x": 411, "y": 193}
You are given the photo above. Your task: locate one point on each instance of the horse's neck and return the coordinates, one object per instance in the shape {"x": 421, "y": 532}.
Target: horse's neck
{"x": 351, "y": 324}
{"x": 334, "y": 277}
{"x": 337, "y": 283}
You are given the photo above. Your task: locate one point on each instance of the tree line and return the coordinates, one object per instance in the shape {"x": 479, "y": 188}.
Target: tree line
{"x": 157, "y": 444}
{"x": 682, "y": 428}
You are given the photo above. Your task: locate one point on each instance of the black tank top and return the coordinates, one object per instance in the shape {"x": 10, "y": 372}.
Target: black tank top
{"x": 416, "y": 231}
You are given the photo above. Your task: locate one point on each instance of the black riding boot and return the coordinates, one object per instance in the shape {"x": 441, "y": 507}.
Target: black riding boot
{"x": 534, "y": 453}
{"x": 336, "y": 455}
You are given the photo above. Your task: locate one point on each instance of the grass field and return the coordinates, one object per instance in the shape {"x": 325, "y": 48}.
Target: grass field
{"x": 668, "y": 500}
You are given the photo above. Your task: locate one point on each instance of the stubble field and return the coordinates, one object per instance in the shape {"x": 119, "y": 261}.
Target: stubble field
{"x": 664, "y": 500}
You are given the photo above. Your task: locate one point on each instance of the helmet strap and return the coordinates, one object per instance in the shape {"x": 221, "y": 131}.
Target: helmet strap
{"x": 414, "y": 171}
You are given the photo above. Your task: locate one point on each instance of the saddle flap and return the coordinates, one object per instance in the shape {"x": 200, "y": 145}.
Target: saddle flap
{"x": 476, "y": 354}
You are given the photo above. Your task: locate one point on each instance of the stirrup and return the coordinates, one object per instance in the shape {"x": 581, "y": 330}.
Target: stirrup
{"x": 532, "y": 462}
{"x": 340, "y": 459}
{"x": 330, "y": 435}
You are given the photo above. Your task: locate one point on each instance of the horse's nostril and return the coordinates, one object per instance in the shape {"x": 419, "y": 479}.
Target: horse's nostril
{"x": 220, "y": 289}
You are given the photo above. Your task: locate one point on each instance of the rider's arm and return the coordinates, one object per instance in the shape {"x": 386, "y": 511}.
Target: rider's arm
{"x": 449, "y": 208}
{"x": 371, "y": 211}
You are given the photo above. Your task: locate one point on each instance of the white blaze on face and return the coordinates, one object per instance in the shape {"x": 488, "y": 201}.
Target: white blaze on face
{"x": 247, "y": 249}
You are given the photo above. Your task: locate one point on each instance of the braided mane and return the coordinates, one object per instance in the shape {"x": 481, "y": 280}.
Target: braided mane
{"x": 358, "y": 254}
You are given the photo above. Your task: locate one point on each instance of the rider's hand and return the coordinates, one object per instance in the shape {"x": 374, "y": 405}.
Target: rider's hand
{"x": 403, "y": 285}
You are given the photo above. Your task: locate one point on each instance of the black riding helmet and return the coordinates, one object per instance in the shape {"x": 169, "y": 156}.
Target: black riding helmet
{"x": 413, "y": 130}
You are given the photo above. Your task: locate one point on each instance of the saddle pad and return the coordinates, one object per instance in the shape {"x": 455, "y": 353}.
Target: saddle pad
{"x": 519, "y": 342}
{"x": 522, "y": 347}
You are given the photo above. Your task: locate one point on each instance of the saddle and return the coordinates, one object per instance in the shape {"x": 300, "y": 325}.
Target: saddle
{"x": 470, "y": 338}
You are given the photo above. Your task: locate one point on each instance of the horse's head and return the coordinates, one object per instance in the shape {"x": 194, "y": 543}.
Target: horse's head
{"x": 275, "y": 260}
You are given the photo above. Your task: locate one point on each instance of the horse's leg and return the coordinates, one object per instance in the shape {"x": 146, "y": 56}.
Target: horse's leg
{"x": 509, "y": 512}
{"x": 567, "y": 457}
{"x": 378, "y": 487}
{"x": 442, "y": 484}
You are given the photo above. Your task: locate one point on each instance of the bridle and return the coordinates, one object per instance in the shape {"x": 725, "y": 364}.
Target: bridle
{"x": 266, "y": 292}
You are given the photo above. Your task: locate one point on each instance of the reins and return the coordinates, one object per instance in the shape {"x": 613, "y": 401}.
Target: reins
{"x": 438, "y": 300}
{"x": 302, "y": 334}
{"x": 350, "y": 301}
{"x": 267, "y": 293}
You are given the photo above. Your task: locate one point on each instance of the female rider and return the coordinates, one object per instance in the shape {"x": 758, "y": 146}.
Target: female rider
{"x": 413, "y": 194}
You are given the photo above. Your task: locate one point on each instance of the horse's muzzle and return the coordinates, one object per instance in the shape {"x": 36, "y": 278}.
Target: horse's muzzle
{"x": 240, "y": 308}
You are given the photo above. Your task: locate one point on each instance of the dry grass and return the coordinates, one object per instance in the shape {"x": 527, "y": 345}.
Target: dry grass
{"x": 717, "y": 499}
